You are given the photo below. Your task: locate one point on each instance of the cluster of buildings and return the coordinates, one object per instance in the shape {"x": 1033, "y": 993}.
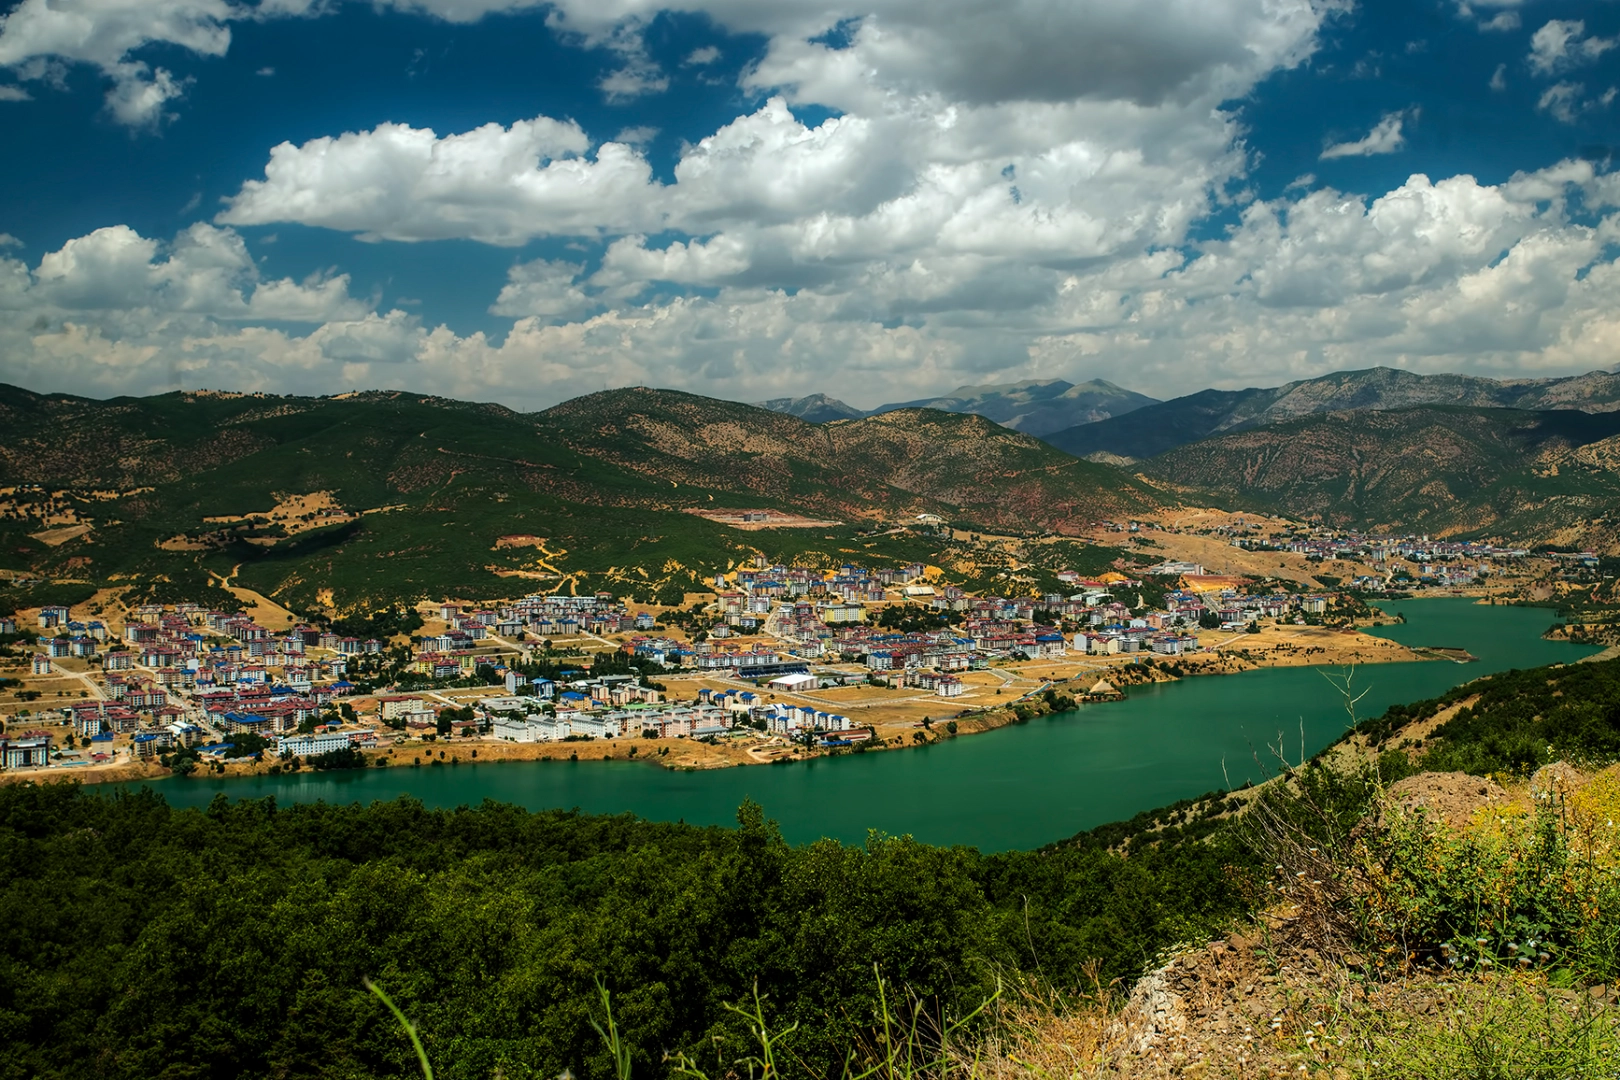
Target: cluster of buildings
{"x": 449, "y": 655}
{"x": 1473, "y": 557}
{"x": 184, "y": 676}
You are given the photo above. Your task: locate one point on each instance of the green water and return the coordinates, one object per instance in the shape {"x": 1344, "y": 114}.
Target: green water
{"x": 1018, "y": 787}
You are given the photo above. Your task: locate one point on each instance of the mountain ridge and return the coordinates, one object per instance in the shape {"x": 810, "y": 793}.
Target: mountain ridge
{"x": 1162, "y": 427}
{"x": 1033, "y": 406}
{"x": 1547, "y": 475}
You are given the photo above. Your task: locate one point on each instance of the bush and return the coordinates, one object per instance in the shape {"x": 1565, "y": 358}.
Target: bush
{"x": 1536, "y": 889}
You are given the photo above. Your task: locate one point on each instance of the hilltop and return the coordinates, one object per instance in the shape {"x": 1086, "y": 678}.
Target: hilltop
{"x": 900, "y": 463}
{"x": 1158, "y": 428}
{"x": 1036, "y": 407}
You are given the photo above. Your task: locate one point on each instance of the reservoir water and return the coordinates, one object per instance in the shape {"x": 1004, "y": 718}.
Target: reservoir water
{"x": 1019, "y": 787}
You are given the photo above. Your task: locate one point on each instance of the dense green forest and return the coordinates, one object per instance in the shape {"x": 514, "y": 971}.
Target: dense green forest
{"x": 144, "y": 941}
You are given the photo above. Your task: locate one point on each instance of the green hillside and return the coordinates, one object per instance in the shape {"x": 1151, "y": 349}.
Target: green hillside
{"x": 412, "y": 496}
{"x": 1529, "y": 475}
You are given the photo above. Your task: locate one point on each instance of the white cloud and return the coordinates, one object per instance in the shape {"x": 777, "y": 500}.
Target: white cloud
{"x": 1561, "y": 100}
{"x": 638, "y": 136}
{"x": 138, "y": 94}
{"x": 205, "y": 272}
{"x": 1514, "y": 278}
{"x": 971, "y": 212}
{"x": 1502, "y": 22}
{"x": 636, "y": 75}
{"x": 695, "y": 262}
{"x": 1385, "y": 138}
{"x": 1559, "y": 46}
{"x": 15, "y": 93}
{"x": 1499, "y": 78}
{"x": 703, "y": 56}
{"x": 1566, "y": 101}
{"x": 543, "y": 289}
{"x": 632, "y": 81}
{"x": 103, "y": 33}
{"x": 495, "y": 184}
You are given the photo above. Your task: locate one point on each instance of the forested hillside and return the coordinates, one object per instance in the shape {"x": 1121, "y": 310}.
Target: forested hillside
{"x": 142, "y": 941}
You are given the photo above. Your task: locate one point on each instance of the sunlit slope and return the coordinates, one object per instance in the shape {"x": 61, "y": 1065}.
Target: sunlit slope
{"x": 385, "y": 494}
{"x": 1528, "y": 475}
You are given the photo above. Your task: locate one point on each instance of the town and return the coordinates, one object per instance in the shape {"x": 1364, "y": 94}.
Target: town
{"x": 775, "y": 662}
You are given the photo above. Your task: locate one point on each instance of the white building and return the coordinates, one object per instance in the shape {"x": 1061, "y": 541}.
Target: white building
{"x": 530, "y": 729}
{"x": 597, "y": 727}
{"x": 311, "y": 745}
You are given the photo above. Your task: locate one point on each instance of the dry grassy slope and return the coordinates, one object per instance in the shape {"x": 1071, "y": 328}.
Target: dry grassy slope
{"x": 910, "y": 460}
{"x": 1438, "y": 469}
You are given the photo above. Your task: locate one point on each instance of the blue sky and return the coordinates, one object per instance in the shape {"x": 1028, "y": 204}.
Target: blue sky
{"x": 504, "y": 200}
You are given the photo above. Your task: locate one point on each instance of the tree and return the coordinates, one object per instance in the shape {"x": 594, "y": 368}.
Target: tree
{"x": 1209, "y": 620}
{"x": 247, "y": 744}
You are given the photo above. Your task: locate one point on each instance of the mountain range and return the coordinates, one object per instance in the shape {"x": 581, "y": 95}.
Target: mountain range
{"x": 371, "y": 495}
{"x": 360, "y": 497}
{"x": 1163, "y": 426}
{"x": 1038, "y": 407}
{"x": 1538, "y": 476}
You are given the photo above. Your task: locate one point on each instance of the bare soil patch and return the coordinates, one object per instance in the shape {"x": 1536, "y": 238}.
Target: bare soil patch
{"x": 752, "y": 520}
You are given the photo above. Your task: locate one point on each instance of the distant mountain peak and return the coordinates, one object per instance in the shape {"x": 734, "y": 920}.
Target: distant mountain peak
{"x": 816, "y": 408}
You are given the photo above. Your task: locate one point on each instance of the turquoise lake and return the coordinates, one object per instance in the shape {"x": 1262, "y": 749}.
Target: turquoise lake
{"x": 1019, "y": 787}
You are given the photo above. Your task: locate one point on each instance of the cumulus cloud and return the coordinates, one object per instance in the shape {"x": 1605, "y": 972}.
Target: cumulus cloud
{"x": 104, "y": 33}
{"x": 1561, "y": 45}
{"x": 139, "y": 94}
{"x": 500, "y": 185}
{"x": 637, "y": 75}
{"x": 205, "y": 272}
{"x": 1449, "y": 274}
{"x": 1385, "y": 138}
{"x": 543, "y": 289}
{"x": 984, "y": 202}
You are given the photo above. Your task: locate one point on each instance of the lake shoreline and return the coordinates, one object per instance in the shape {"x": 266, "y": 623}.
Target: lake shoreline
{"x": 1235, "y": 654}
{"x": 1017, "y": 786}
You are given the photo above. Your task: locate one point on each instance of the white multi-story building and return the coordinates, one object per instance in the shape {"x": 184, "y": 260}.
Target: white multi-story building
{"x": 311, "y": 745}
